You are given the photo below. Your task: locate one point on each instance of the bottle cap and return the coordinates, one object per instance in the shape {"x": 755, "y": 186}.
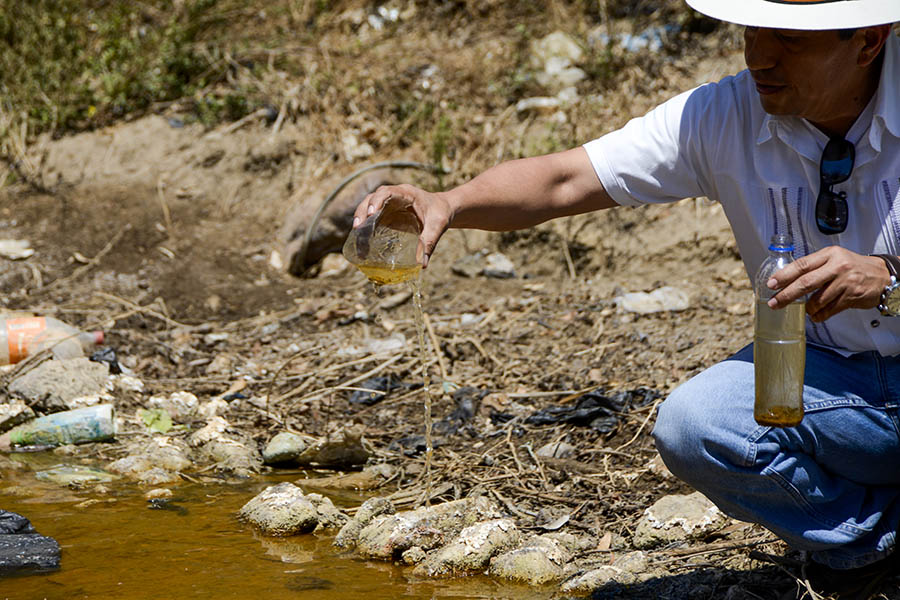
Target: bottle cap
{"x": 781, "y": 242}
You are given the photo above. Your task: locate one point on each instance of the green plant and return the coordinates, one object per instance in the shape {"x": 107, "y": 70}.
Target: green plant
{"x": 75, "y": 64}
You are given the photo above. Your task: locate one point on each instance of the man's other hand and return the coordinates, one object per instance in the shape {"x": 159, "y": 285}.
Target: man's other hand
{"x": 833, "y": 279}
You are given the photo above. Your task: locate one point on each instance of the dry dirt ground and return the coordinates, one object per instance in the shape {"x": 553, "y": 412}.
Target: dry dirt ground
{"x": 162, "y": 234}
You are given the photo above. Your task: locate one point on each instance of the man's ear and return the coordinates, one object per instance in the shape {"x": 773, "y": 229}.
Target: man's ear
{"x": 874, "y": 39}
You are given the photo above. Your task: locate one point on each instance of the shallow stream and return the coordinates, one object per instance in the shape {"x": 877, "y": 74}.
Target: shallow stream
{"x": 195, "y": 547}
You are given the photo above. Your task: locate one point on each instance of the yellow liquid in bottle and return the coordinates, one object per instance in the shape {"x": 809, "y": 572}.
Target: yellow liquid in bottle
{"x": 385, "y": 274}
{"x": 779, "y": 357}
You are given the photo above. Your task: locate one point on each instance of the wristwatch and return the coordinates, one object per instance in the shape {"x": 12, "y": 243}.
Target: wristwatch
{"x": 890, "y": 296}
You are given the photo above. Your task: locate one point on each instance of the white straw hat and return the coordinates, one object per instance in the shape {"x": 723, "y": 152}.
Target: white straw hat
{"x": 801, "y": 14}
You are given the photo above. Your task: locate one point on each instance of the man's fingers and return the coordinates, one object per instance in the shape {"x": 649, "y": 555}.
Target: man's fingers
{"x": 796, "y": 269}
{"x": 372, "y": 203}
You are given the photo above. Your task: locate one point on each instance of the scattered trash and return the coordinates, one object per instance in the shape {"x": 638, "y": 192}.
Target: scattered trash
{"x": 652, "y": 38}
{"x": 392, "y": 343}
{"x": 90, "y": 424}
{"x": 166, "y": 504}
{"x": 595, "y": 410}
{"x": 108, "y": 357}
{"x": 156, "y": 419}
{"x": 375, "y": 389}
{"x": 15, "y": 249}
{"x": 21, "y": 337}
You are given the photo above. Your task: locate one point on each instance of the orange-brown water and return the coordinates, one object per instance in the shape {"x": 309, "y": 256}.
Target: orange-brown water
{"x": 124, "y": 550}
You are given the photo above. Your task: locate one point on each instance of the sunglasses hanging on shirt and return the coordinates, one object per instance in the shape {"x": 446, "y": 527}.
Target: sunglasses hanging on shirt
{"x": 835, "y": 167}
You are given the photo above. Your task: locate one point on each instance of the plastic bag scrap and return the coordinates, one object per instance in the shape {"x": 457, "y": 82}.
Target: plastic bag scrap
{"x": 595, "y": 409}
{"x": 107, "y": 355}
{"x": 467, "y": 401}
{"x": 376, "y": 389}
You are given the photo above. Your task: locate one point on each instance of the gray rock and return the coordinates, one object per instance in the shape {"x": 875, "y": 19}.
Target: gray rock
{"x": 168, "y": 455}
{"x": 329, "y": 516}
{"x": 470, "y": 266}
{"x": 471, "y": 549}
{"x": 284, "y": 447}
{"x": 344, "y": 452}
{"x": 666, "y": 298}
{"x": 541, "y": 560}
{"x": 74, "y": 475}
{"x": 557, "y": 450}
{"x": 498, "y": 266}
{"x": 585, "y": 583}
{"x": 428, "y": 527}
{"x": 158, "y": 476}
{"x": 677, "y": 518}
{"x": 371, "y": 508}
{"x": 13, "y": 413}
{"x": 22, "y": 548}
{"x": 233, "y": 456}
{"x": 281, "y": 510}
{"x": 181, "y": 406}
{"x": 132, "y": 466}
{"x": 52, "y": 385}
{"x": 413, "y": 556}
{"x": 629, "y": 568}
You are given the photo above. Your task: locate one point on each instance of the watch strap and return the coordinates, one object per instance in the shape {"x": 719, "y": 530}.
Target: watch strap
{"x": 893, "y": 264}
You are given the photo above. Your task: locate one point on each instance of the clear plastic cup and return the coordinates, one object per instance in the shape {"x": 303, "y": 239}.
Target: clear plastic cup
{"x": 384, "y": 246}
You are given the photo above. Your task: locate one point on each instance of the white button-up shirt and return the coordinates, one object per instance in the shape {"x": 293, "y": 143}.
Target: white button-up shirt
{"x": 717, "y": 141}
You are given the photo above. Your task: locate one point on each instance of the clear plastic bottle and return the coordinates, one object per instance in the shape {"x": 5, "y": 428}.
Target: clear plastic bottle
{"x": 779, "y": 346}
{"x": 89, "y": 424}
{"x": 21, "y": 337}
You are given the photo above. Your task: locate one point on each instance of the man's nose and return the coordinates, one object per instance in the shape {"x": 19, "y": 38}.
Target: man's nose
{"x": 760, "y": 48}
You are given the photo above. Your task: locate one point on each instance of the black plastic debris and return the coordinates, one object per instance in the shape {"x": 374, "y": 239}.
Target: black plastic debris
{"x": 378, "y": 388}
{"x": 22, "y": 548}
{"x": 413, "y": 445}
{"x": 166, "y": 504}
{"x": 108, "y": 357}
{"x": 467, "y": 401}
{"x": 595, "y": 409}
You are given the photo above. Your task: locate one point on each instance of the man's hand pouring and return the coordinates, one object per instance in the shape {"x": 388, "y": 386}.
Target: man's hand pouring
{"x": 432, "y": 211}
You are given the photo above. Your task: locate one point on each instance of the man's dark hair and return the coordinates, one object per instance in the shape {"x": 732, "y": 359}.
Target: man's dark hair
{"x": 846, "y": 34}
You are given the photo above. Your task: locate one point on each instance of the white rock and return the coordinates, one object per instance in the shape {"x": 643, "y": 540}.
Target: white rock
{"x": 666, "y": 298}
{"x": 15, "y": 249}
{"x": 214, "y": 429}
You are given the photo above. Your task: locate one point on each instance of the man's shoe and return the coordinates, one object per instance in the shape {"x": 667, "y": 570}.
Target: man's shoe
{"x": 852, "y": 584}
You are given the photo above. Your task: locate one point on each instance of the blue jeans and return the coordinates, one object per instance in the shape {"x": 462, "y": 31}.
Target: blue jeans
{"x": 830, "y": 486}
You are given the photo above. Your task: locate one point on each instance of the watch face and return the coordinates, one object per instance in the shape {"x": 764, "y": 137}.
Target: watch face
{"x": 892, "y": 300}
